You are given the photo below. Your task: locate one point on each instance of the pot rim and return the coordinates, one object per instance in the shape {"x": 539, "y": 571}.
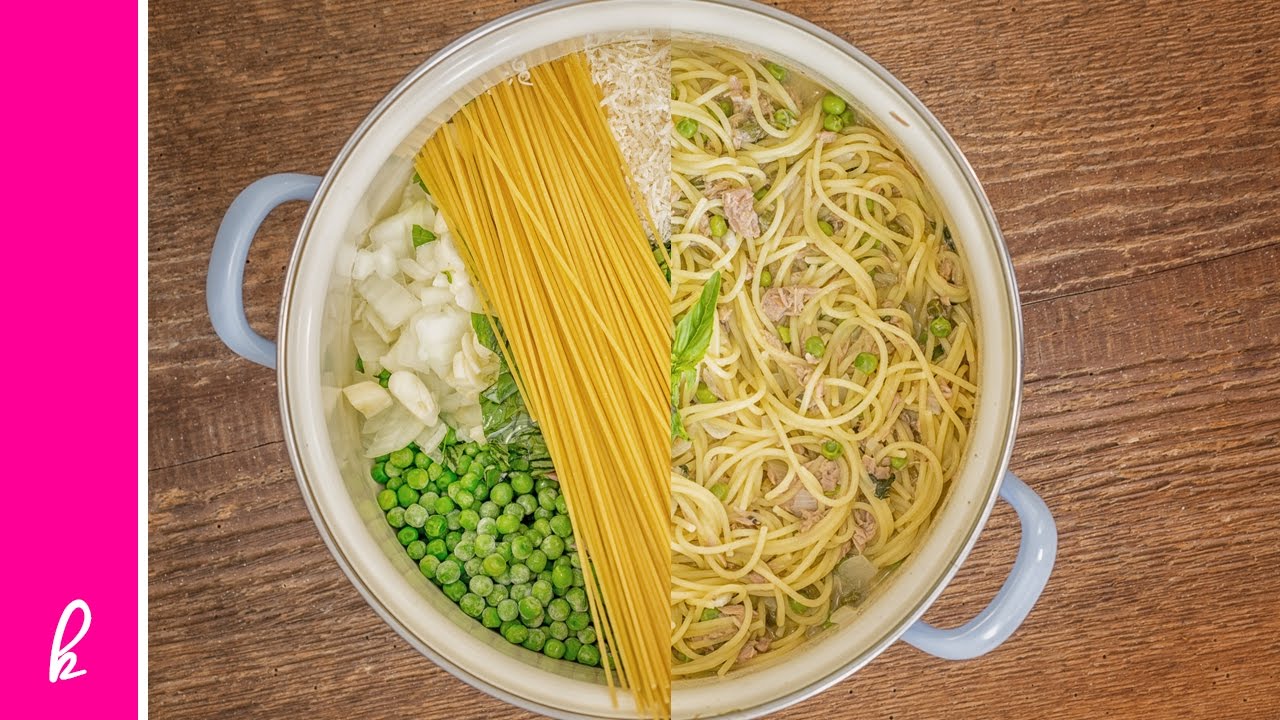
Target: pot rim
{"x": 1004, "y": 268}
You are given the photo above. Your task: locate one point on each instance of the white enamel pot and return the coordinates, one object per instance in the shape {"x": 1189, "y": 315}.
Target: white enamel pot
{"x": 314, "y": 358}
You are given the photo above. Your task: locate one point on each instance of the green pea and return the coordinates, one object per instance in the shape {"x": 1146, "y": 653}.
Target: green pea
{"x": 784, "y": 332}
{"x": 558, "y": 609}
{"x": 407, "y": 535}
{"x": 530, "y": 607}
{"x": 832, "y": 449}
{"x": 528, "y": 502}
{"x": 709, "y": 614}
{"x": 898, "y": 463}
{"x": 577, "y": 599}
{"x": 438, "y": 549}
{"x": 865, "y": 362}
{"x": 542, "y": 591}
{"x": 379, "y": 473}
{"x": 403, "y": 457}
{"x": 552, "y": 547}
{"x": 386, "y": 499}
{"x": 578, "y": 621}
{"x": 720, "y": 490}
{"x": 454, "y": 590}
{"x": 589, "y": 655}
{"x": 766, "y": 279}
{"x": 520, "y": 592}
{"x": 486, "y": 545}
{"x": 464, "y": 551}
{"x": 406, "y": 496}
{"x": 421, "y": 460}
{"x": 463, "y": 465}
{"x": 553, "y": 649}
{"x": 687, "y": 127}
{"x": 832, "y": 123}
{"x": 395, "y": 517}
{"x": 778, "y": 72}
{"x": 718, "y": 225}
{"x": 558, "y": 629}
{"x": 435, "y": 526}
{"x": 827, "y": 228}
{"x": 940, "y": 327}
{"x": 561, "y": 526}
{"x": 521, "y": 548}
{"x": 571, "y": 648}
{"x": 537, "y": 561}
{"x": 848, "y": 117}
{"x": 465, "y": 499}
{"x": 427, "y": 566}
{"x": 489, "y": 618}
{"x": 536, "y": 641}
{"x": 496, "y": 595}
{"x": 561, "y": 576}
{"x": 521, "y": 483}
{"x": 516, "y": 633}
{"x": 508, "y": 610}
{"x": 469, "y": 519}
{"x": 449, "y": 571}
{"x": 833, "y": 104}
{"x": 783, "y": 118}
{"x": 501, "y": 494}
{"x": 521, "y": 574}
{"x": 415, "y": 516}
{"x": 444, "y": 506}
{"x": 471, "y": 568}
{"x": 416, "y": 478}
{"x": 815, "y": 346}
{"x": 494, "y": 565}
{"x": 726, "y": 106}
{"x": 416, "y": 550}
{"x": 472, "y": 604}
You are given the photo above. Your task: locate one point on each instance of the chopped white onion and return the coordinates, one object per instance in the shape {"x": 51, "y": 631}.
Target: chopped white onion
{"x": 413, "y": 395}
{"x": 367, "y": 397}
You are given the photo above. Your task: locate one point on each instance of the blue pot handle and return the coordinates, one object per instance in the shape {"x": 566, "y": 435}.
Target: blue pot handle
{"x": 225, "y": 286}
{"x": 1026, "y": 581}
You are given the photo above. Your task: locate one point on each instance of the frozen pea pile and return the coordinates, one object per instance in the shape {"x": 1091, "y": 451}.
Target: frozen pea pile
{"x": 490, "y": 528}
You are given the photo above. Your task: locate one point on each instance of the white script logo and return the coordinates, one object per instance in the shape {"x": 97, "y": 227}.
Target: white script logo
{"x": 62, "y": 661}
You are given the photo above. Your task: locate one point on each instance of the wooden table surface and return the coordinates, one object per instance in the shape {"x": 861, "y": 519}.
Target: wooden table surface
{"x": 1132, "y": 153}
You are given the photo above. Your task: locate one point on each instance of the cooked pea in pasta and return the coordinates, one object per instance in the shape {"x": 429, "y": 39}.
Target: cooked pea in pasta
{"x": 824, "y": 390}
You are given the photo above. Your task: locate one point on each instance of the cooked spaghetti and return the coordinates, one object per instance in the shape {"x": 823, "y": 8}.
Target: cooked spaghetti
{"x": 838, "y": 384}
{"x": 534, "y": 188}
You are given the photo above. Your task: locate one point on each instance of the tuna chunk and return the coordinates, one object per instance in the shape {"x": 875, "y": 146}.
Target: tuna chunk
{"x": 780, "y": 302}
{"x": 740, "y": 211}
{"x": 828, "y": 472}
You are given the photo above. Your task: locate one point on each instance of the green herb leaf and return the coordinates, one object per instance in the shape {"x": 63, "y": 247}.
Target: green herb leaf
{"x": 692, "y": 337}
{"x": 422, "y": 236}
{"x": 486, "y": 331}
{"x": 417, "y": 180}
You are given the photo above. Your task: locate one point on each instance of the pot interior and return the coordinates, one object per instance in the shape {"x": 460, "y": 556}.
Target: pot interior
{"x": 318, "y": 358}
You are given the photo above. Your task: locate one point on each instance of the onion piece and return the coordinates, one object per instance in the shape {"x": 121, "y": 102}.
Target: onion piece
{"x": 414, "y": 396}
{"x": 368, "y": 397}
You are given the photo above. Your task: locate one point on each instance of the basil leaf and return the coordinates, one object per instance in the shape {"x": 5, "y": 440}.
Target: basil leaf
{"x": 486, "y": 332}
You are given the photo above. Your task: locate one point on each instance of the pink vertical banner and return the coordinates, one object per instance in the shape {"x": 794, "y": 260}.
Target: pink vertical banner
{"x": 69, "y": 288}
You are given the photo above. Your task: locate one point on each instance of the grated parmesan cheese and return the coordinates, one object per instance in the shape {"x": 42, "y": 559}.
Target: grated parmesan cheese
{"x": 635, "y": 77}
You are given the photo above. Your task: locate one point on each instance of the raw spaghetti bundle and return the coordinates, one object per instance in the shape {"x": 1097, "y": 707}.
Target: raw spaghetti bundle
{"x": 537, "y": 193}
